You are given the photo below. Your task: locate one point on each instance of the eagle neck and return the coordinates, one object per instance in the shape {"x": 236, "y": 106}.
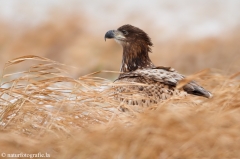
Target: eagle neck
{"x": 135, "y": 57}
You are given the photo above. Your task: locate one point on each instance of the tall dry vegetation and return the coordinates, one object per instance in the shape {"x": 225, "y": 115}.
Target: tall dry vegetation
{"x": 45, "y": 108}
{"x": 69, "y": 40}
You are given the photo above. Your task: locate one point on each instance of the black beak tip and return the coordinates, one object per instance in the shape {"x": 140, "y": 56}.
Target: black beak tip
{"x": 109, "y": 35}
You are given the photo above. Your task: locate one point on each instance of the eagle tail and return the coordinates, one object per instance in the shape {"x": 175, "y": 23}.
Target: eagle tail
{"x": 194, "y": 88}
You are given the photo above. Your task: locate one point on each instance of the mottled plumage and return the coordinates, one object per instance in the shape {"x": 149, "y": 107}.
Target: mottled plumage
{"x": 159, "y": 83}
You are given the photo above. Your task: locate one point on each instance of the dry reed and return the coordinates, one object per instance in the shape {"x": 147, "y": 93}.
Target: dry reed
{"x": 45, "y": 110}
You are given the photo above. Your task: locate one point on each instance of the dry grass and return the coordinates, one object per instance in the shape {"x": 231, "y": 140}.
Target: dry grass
{"x": 43, "y": 109}
{"x": 46, "y": 108}
{"x": 66, "y": 38}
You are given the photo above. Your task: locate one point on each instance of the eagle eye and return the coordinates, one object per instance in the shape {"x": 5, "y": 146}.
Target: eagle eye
{"x": 124, "y": 32}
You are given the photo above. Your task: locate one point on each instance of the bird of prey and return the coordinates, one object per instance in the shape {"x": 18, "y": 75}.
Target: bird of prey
{"x": 158, "y": 83}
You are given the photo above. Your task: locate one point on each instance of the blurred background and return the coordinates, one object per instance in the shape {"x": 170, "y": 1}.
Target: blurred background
{"x": 187, "y": 35}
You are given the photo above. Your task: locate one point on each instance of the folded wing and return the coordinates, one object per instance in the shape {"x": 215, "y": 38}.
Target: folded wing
{"x": 167, "y": 76}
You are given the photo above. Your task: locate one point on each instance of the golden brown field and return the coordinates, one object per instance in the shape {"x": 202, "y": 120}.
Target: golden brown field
{"x": 51, "y": 103}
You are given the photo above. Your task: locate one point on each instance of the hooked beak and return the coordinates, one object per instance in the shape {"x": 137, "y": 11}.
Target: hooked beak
{"x": 114, "y": 34}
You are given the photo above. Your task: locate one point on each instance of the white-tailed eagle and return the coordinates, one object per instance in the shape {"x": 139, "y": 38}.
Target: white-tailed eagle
{"x": 137, "y": 67}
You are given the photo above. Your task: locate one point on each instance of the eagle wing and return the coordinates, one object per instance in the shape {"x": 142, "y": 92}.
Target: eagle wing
{"x": 167, "y": 76}
{"x": 162, "y": 75}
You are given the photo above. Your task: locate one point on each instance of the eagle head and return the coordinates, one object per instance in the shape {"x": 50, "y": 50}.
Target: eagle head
{"x": 131, "y": 36}
{"x": 136, "y": 46}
